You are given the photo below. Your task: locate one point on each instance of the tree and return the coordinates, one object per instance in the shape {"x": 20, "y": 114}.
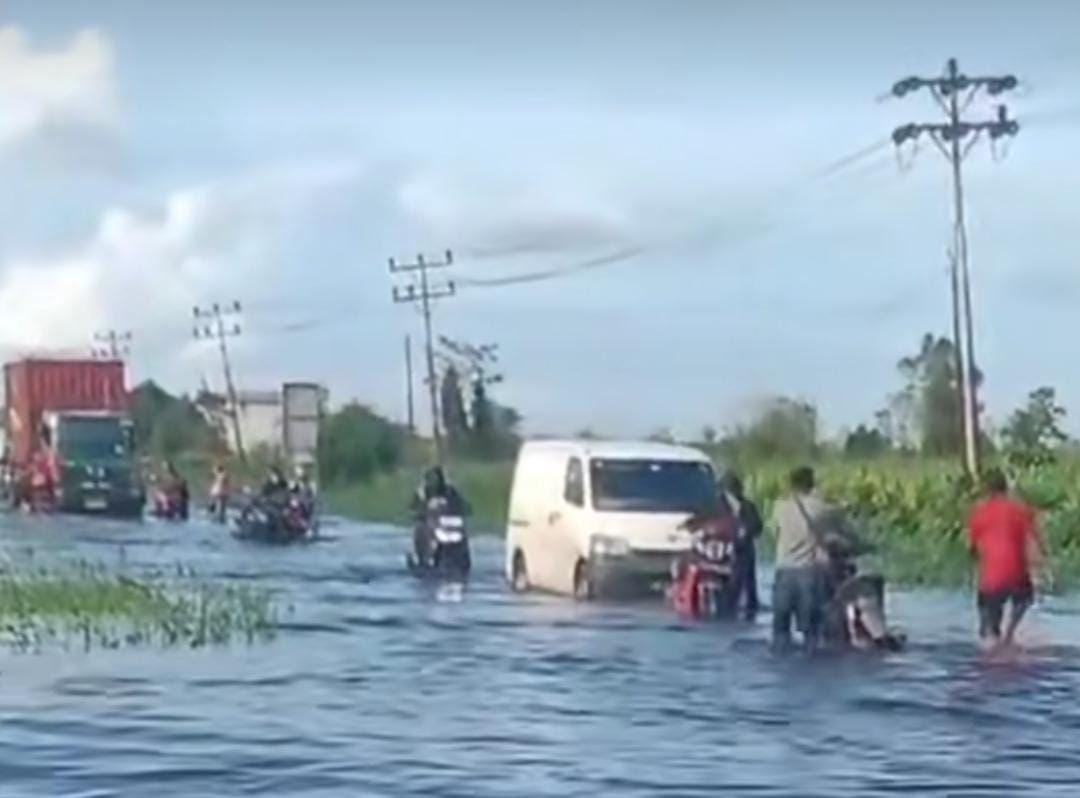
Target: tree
{"x": 929, "y": 405}
{"x": 782, "y": 428}
{"x": 452, "y": 404}
{"x": 1033, "y": 433}
{"x": 709, "y": 435}
{"x": 490, "y": 428}
{"x": 494, "y": 426}
{"x": 166, "y": 425}
{"x": 356, "y": 443}
{"x": 865, "y": 442}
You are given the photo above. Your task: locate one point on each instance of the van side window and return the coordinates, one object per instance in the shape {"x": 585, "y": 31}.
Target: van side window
{"x": 574, "y": 492}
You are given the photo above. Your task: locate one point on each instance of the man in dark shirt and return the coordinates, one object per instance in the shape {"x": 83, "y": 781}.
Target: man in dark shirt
{"x": 748, "y": 526}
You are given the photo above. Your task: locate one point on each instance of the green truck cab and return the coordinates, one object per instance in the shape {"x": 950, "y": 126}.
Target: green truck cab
{"x": 96, "y": 462}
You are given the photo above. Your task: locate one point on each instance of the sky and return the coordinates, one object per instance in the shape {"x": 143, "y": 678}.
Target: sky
{"x": 722, "y": 169}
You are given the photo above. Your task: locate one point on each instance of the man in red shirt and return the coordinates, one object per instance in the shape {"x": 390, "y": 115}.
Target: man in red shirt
{"x": 1004, "y": 538}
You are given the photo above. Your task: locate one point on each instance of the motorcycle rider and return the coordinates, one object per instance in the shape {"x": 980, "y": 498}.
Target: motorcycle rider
{"x": 435, "y": 490}
{"x": 276, "y": 488}
{"x": 303, "y": 489}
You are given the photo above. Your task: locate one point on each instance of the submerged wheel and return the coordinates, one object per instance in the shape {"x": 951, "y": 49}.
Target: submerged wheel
{"x": 519, "y": 574}
{"x": 583, "y": 586}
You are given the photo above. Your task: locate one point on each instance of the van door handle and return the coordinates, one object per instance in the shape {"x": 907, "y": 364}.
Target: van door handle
{"x": 519, "y": 523}
{"x": 554, "y": 518}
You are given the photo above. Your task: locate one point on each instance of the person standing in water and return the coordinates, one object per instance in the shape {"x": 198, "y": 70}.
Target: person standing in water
{"x": 1006, "y": 544}
{"x": 804, "y": 524}
{"x": 220, "y": 490}
{"x": 748, "y": 527}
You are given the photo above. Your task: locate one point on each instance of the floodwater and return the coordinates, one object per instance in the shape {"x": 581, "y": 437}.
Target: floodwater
{"x": 378, "y": 686}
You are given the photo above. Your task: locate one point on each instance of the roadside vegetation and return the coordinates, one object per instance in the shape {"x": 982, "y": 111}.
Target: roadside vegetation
{"x": 87, "y": 605}
{"x": 898, "y": 474}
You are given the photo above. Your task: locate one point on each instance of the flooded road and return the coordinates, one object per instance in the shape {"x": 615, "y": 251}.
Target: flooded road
{"x": 377, "y": 686}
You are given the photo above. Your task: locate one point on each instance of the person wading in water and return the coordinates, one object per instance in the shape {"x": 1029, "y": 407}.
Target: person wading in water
{"x": 1006, "y": 544}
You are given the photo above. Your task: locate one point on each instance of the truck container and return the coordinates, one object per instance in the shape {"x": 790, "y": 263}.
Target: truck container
{"x": 75, "y": 412}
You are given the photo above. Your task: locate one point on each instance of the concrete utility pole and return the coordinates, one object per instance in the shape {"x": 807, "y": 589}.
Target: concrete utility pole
{"x": 955, "y": 139}
{"x": 420, "y": 291}
{"x": 210, "y": 324}
{"x": 111, "y": 345}
{"x": 409, "y": 408}
{"x": 958, "y": 336}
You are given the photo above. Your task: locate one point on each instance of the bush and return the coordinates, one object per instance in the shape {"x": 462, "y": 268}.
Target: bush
{"x": 355, "y": 444}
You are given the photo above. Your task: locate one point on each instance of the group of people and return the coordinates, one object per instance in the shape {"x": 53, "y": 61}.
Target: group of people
{"x": 295, "y": 499}
{"x": 172, "y": 495}
{"x": 814, "y": 540}
{"x": 723, "y": 538}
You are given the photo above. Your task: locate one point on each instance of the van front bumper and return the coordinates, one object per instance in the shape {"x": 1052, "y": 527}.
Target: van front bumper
{"x": 638, "y": 574}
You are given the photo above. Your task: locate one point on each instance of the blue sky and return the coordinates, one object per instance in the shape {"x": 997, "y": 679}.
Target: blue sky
{"x": 166, "y": 154}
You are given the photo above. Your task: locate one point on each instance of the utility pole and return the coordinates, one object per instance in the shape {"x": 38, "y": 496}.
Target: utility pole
{"x": 955, "y": 139}
{"x": 958, "y": 352}
{"x": 111, "y": 345}
{"x": 411, "y": 414}
{"x": 420, "y": 291}
{"x": 210, "y": 323}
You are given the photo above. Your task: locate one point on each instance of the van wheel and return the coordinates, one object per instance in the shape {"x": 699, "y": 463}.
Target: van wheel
{"x": 519, "y": 579}
{"x": 583, "y": 586}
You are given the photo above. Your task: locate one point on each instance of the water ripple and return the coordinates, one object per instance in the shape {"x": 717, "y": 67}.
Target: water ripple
{"x": 378, "y": 685}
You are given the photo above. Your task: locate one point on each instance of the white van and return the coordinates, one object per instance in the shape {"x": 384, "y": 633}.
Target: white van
{"x": 590, "y": 518}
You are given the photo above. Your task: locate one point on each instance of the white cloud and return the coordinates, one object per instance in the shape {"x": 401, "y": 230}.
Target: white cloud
{"x": 144, "y": 270}
{"x": 61, "y": 102}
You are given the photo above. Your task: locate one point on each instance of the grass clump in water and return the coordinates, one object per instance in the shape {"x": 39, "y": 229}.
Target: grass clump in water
{"x": 88, "y": 605}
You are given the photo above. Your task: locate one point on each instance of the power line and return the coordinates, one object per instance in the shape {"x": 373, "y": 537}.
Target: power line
{"x": 420, "y": 291}
{"x": 955, "y": 138}
{"x": 111, "y": 345}
{"x": 213, "y": 326}
{"x": 839, "y": 166}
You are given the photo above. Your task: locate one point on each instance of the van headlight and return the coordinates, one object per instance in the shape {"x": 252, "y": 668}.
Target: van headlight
{"x": 608, "y": 546}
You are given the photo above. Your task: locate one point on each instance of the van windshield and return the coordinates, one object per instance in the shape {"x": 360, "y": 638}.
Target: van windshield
{"x": 652, "y": 486}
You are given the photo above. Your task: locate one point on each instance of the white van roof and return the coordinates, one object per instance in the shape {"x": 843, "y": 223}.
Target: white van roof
{"x": 617, "y": 450}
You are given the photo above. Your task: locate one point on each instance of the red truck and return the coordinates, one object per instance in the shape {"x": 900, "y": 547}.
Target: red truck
{"x": 69, "y": 439}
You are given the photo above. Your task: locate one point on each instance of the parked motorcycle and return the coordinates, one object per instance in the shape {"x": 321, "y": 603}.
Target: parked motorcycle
{"x": 274, "y": 522}
{"x": 855, "y": 614}
{"x": 702, "y": 578}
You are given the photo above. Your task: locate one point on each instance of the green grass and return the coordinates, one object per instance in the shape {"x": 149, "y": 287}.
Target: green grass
{"x": 386, "y": 498}
{"x": 88, "y": 606}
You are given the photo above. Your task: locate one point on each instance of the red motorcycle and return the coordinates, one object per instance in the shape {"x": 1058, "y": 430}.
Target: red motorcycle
{"x": 701, "y": 578}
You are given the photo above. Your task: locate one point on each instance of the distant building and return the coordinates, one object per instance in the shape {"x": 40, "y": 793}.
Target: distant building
{"x": 262, "y": 417}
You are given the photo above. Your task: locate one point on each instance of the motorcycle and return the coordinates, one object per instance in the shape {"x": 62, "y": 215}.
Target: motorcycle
{"x": 168, "y": 506}
{"x": 855, "y": 613}
{"x": 446, "y": 543}
{"x": 702, "y": 578}
{"x": 274, "y": 522}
